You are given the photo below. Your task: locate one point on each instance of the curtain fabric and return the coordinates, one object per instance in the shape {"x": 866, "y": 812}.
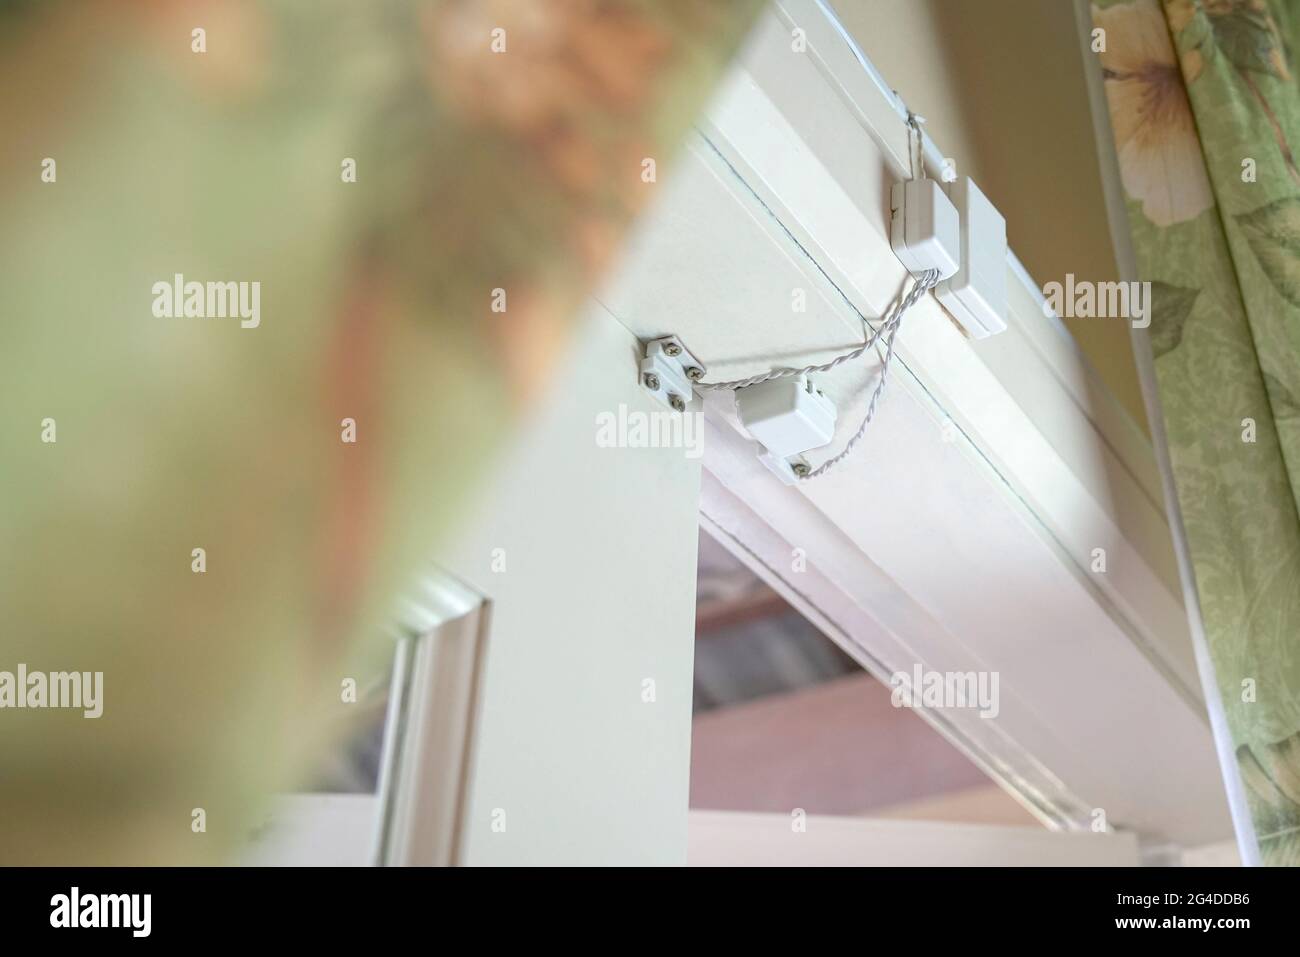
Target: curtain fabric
{"x": 1205, "y": 105}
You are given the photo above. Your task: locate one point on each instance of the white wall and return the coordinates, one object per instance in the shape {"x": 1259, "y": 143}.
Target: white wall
{"x": 598, "y": 595}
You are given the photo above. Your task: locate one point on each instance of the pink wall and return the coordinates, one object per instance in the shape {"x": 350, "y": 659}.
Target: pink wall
{"x": 835, "y": 748}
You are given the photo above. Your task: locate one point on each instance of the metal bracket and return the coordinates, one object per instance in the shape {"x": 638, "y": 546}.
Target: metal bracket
{"x": 668, "y": 370}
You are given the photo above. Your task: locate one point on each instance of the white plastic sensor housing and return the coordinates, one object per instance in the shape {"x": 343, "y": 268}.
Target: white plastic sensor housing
{"x": 787, "y": 416}
{"x": 976, "y": 294}
{"x": 924, "y": 228}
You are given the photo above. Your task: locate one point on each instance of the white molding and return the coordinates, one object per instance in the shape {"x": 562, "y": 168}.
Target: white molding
{"x": 429, "y": 733}
{"x": 1040, "y": 414}
{"x": 730, "y": 839}
{"x": 417, "y": 817}
{"x": 871, "y": 635}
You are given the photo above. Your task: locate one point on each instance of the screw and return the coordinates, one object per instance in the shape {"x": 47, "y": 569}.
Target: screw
{"x": 652, "y": 382}
{"x": 672, "y": 349}
{"x": 801, "y": 470}
{"x": 695, "y": 373}
{"x": 677, "y": 402}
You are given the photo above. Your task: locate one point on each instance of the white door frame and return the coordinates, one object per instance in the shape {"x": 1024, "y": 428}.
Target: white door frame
{"x": 964, "y": 533}
{"x": 429, "y": 734}
{"x": 417, "y": 815}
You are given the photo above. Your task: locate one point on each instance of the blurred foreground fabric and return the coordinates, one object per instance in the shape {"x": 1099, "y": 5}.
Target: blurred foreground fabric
{"x": 388, "y": 173}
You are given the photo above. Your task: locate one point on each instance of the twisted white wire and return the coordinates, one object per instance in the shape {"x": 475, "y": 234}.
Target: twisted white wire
{"x": 926, "y": 282}
{"x": 889, "y": 329}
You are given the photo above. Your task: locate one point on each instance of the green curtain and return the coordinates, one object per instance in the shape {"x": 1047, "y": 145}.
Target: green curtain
{"x": 1205, "y": 105}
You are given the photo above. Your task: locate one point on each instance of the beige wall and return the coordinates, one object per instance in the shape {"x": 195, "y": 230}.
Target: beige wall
{"x": 1001, "y": 85}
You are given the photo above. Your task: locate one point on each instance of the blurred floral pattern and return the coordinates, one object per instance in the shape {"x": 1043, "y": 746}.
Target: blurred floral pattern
{"x": 496, "y": 146}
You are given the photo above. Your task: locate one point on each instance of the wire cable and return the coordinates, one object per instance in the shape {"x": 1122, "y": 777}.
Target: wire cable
{"x": 887, "y": 330}
{"x": 927, "y": 281}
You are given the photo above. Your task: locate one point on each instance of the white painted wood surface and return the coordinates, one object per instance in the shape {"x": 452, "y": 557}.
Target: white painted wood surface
{"x": 597, "y": 596}
{"x": 962, "y": 533}
{"x": 726, "y": 839}
{"x": 430, "y": 729}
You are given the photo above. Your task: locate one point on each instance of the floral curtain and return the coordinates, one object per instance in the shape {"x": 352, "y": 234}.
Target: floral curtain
{"x": 1205, "y": 105}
